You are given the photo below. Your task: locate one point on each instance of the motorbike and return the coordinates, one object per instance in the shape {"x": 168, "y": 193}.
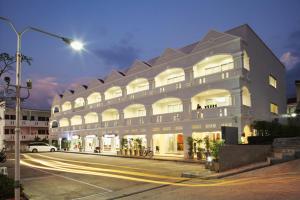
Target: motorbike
{"x": 3, "y": 156}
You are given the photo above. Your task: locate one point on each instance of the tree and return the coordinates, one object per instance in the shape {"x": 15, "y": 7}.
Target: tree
{"x": 6, "y": 66}
{"x": 7, "y": 62}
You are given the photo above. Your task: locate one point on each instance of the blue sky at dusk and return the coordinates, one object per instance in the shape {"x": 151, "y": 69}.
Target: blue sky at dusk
{"x": 118, "y": 32}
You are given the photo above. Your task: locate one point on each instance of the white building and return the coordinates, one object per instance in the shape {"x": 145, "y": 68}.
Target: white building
{"x": 34, "y": 124}
{"x": 233, "y": 76}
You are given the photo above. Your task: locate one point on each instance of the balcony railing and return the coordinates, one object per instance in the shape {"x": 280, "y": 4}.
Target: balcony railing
{"x": 135, "y": 121}
{"x": 27, "y": 123}
{"x": 24, "y": 137}
{"x": 168, "y": 117}
{"x": 112, "y": 123}
{"x": 215, "y": 112}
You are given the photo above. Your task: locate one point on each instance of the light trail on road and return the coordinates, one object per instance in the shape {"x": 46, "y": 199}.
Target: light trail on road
{"x": 72, "y": 166}
{"x": 55, "y": 165}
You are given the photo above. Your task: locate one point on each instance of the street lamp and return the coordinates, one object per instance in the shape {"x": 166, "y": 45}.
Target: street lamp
{"x": 74, "y": 44}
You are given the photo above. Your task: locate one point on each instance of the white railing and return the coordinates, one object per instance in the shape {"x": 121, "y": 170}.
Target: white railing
{"x": 168, "y": 117}
{"x": 215, "y": 112}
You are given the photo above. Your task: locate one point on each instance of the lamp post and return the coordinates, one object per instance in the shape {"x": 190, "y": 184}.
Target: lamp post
{"x": 74, "y": 44}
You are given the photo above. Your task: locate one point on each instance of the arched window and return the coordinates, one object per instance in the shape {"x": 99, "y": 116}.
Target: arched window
{"x": 91, "y": 117}
{"x": 134, "y": 110}
{"x": 76, "y": 120}
{"x": 211, "y": 98}
{"x": 113, "y": 92}
{"x": 110, "y": 115}
{"x": 137, "y": 85}
{"x": 213, "y": 64}
{"x": 246, "y": 61}
{"x": 55, "y": 109}
{"x": 167, "y": 105}
{"x": 79, "y": 102}
{"x": 54, "y": 124}
{"x": 169, "y": 76}
{"x": 63, "y": 122}
{"x": 94, "y": 98}
{"x": 246, "y": 97}
{"x": 66, "y": 106}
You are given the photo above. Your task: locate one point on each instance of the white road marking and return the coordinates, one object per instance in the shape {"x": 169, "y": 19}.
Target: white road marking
{"x": 35, "y": 178}
{"x": 68, "y": 178}
{"x": 92, "y": 195}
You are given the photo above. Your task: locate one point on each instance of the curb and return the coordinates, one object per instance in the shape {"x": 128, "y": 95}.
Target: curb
{"x": 228, "y": 173}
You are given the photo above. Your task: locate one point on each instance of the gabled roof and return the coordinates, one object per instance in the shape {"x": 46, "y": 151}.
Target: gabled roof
{"x": 68, "y": 93}
{"x": 95, "y": 82}
{"x": 212, "y": 38}
{"x": 114, "y": 75}
{"x": 80, "y": 88}
{"x": 137, "y": 66}
{"x": 244, "y": 30}
{"x": 167, "y": 55}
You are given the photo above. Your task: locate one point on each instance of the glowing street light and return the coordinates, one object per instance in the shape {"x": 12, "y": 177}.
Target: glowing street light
{"x": 74, "y": 44}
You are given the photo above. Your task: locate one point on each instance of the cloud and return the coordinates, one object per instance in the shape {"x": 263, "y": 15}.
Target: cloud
{"x": 45, "y": 88}
{"x": 289, "y": 59}
{"x": 119, "y": 55}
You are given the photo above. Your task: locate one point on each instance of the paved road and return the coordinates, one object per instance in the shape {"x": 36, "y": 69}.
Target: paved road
{"x": 76, "y": 176}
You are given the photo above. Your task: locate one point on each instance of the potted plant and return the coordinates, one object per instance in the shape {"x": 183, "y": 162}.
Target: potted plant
{"x": 199, "y": 150}
{"x": 207, "y": 146}
{"x": 124, "y": 146}
{"x": 190, "y": 143}
{"x": 215, "y": 150}
{"x": 139, "y": 146}
{"x": 131, "y": 147}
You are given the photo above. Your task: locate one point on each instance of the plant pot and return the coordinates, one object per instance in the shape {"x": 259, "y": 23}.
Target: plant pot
{"x": 130, "y": 152}
{"x": 199, "y": 156}
{"x": 119, "y": 153}
{"x": 191, "y": 155}
{"x": 216, "y": 166}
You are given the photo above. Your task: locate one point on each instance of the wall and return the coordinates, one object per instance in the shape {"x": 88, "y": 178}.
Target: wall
{"x": 233, "y": 156}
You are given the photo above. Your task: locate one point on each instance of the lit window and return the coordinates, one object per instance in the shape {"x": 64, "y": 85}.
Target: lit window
{"x": 274, "y": 108}
{"x": 272, "y": 81}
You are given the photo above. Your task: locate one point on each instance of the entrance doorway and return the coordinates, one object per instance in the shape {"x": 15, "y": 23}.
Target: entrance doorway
{"x": 110, "y": 143}
{"x": 91, "y": 142}
{"x": 168, "y": 144}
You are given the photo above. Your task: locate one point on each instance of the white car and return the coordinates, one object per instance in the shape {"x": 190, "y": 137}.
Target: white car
{"x": 41, "y": 147}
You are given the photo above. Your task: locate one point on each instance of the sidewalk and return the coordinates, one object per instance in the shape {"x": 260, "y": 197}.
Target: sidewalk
{"x": 214, "y": 175}
{"x": 162, "y": 158}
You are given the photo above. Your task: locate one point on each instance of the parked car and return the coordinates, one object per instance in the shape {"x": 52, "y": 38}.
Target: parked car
{"x": 41, "y": 147}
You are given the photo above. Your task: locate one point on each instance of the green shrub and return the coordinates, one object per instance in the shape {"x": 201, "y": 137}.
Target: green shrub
{"x": 7, "y": 187}
{"x": 215, "y": 148}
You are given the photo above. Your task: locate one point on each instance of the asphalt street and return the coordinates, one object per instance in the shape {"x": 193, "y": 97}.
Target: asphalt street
{"x": 76, "y": 176}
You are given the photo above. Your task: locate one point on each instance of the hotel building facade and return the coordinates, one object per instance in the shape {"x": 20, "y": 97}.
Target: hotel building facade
{"x": 226, "y": 79}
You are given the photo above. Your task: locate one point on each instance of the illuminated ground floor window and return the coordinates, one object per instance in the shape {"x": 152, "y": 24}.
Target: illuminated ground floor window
{"x": 110, "y": 143}
{"x": 168, "y": 143}
{"x": 91, "y": 142}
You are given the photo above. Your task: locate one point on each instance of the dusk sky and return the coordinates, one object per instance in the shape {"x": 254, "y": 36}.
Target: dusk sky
{"x": 118, "y": 32}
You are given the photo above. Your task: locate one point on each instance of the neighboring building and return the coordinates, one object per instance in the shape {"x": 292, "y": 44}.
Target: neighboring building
{"x": 293, "y": 104}
{"x": 225, "y": 79}
{"x": 34, "y": 124}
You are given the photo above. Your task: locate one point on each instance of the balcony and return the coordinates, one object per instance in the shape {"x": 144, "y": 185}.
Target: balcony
{"x": 169, "y": 117}
{"x": 27, "y": 123}
{"x": 212, "y": 113}
{"x": 112, "y": 123}
{"x": 11, "y": 137}
{"x": 135, "y": 121}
